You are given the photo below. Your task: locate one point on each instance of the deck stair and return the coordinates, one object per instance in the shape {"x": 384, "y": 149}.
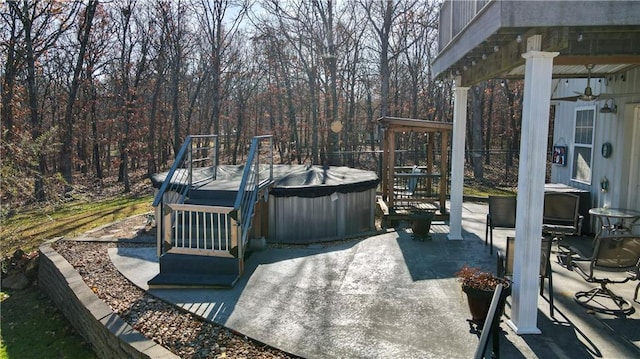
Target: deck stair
{"x": 204, "y": 223}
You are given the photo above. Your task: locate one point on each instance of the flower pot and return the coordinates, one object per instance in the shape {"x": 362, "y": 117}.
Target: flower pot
{"x": 480, "y": 300}
{"x": 421, "y": 225}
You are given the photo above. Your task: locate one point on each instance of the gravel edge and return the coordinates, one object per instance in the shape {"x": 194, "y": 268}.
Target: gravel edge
{"x": 181, "y": 332}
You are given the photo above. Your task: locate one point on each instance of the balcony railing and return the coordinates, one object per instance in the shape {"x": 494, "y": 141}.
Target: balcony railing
{"x": 455, "y": 16}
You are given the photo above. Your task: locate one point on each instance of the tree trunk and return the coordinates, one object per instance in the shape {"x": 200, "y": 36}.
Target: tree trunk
{"x": 489, "y": 126}
{"x": 175, "y": 104}
{"x": 334, "y": 159}
{"x": 38, "y": 190}
{"x": 239, "y": 128}
{"x": 151, "y": 138}
{"x": 291, "y": 113}
{"x": 97, "y": 161}
{"x": 385, "y": 73}
{"x": 477, "y": 98}
{"x": 8, "y": 84}
{"x": 311, "y": 75}
{"x": 66, "y": 157}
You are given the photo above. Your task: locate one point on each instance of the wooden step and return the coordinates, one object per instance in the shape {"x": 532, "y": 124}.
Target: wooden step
{"x": 212, "y": 197}
{"x": 197, "y": 264}
{"x": 187, "y": 270}
{"x": 171, "y": 280}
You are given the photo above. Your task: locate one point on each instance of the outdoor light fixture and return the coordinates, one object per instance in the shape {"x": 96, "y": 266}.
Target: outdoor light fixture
{"x": 607, "y": 109}
{"x": 484, "y": 56}
{"x": 496, "y": 48}
{"x": 518, "y": 39}
{"x": 580, "y": 38}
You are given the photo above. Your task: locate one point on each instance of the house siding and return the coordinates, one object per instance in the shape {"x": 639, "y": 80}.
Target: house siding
{"x": 616, "y": 128}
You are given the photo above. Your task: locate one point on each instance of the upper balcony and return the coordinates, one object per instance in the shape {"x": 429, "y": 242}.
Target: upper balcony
{"x": 482, "y": 39}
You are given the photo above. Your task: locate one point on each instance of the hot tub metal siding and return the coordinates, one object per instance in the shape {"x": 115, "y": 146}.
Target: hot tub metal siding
{"x": 304, "y": 220}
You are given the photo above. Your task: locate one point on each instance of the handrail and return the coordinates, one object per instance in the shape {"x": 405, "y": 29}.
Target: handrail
{"x": 174, "y": 168}
{"x": 252, "y": 182}
{"x": 198, "y": 150}
{"x": 210, "y": 230}
{"x": 185, "y": 160}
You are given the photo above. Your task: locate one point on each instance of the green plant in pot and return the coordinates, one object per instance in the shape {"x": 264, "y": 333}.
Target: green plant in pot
{"x": 479, "y": 287}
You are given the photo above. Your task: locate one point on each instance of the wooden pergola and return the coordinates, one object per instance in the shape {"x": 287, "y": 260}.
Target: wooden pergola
{"x": 393, "y": 126}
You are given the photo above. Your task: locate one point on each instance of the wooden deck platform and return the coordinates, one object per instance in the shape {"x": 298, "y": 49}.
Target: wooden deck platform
{"x": 409, "y": 212}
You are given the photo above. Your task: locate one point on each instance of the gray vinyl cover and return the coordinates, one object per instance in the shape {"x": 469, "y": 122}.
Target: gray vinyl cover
{"x": 295, "y": 180}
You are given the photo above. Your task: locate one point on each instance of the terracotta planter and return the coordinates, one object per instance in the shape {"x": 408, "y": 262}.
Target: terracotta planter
{"x": 480, "y": 300}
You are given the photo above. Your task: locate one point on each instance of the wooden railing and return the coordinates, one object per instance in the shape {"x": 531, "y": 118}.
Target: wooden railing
{"x": 413, "y": 185}
{"x": 197, "y": 151}
{"x": 208, "y": 229}
{"x": 200, "y": 230}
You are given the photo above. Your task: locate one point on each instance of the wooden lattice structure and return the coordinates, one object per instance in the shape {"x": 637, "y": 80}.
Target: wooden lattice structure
{"x": 407, "y": 190}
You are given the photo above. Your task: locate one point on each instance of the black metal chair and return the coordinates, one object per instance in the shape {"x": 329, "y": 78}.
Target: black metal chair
{"x": 505, "y": 265}
{"x": 502, "y": 214}
{"x": 615, "y": 259}
{"x": 560, "y": 215}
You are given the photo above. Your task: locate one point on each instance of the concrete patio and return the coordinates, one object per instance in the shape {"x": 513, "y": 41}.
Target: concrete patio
{"x": 389, "y": 296}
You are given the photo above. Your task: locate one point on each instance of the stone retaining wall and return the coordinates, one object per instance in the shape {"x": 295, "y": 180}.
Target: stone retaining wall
{"x": 109, "y": 335}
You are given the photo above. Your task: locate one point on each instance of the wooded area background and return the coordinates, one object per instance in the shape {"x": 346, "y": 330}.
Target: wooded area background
{"x": 98, "y": 88}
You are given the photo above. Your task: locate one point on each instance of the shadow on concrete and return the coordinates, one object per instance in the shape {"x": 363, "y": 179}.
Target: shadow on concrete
{"x": 391, "y": 295}
{"x": 440, "y": 257}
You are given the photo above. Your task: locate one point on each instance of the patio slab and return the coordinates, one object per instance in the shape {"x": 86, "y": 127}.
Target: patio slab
{"x": 388, "y": 296}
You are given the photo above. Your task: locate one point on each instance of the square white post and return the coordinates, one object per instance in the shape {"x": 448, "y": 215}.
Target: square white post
{"x": 531, "y": 175}
{"x": 457, "y": 160}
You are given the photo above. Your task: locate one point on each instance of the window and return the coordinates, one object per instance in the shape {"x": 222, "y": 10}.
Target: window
{"x": 583, "y": 144}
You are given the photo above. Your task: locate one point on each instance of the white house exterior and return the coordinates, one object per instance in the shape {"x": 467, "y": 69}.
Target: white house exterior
{"x": 544, "y": 42}
{"x": 621, "y": 129}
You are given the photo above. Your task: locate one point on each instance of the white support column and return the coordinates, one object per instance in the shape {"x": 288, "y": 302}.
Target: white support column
{"x": 531, "y": 175}
{"x": 457, "y": 160}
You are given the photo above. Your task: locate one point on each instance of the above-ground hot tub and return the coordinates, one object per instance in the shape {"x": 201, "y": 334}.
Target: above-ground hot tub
{"x": 313, "y": 203}
{"x": 307, "y": 203}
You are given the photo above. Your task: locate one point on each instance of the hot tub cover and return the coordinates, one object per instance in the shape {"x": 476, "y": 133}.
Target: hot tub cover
{"x": 293, "y": 180}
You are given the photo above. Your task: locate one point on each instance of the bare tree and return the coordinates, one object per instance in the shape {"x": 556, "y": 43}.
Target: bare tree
{"x": 218, "y": 32}
{"x": 97, "y": 60}
{"x": 133, "y": 48}
{"x": 244, "y": 84}
{"x": 382, "y": 16}
{"x": 66, "y": 166}
{"x": 351, "y": 30}
{"x": 298, "y": 24}
{"x": 10, "y": 32}
{"x": 477, "y": 101}
{"x": 159, "y": 70}
{"x": 174, "y": 33}
{"x": 42, "y": 24}
{"x": 325, "y": 10}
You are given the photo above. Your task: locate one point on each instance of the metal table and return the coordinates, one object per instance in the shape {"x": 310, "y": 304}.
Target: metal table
{"x": 615, "y": 220}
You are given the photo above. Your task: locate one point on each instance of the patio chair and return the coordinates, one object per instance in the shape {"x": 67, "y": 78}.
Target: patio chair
{"x": 505, "y": 266}
{"x": 560, "y": 215}
{"x": 502, "y": 214}
{"x": 615, "y": 259}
